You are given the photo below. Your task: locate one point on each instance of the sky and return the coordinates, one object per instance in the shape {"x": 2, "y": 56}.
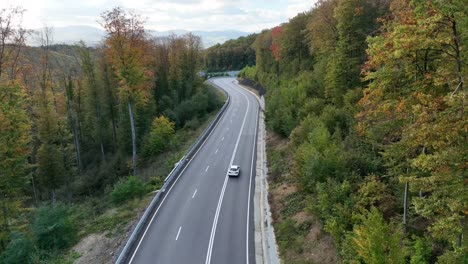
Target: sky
{"x": 162, "y": 15}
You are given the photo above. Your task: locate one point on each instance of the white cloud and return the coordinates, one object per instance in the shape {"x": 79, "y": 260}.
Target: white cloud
{"x": 165, "y": 14}
{"x": 298, "y": 6}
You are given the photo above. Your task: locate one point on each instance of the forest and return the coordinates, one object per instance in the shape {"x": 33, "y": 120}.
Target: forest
{"x": 84, "y": 130}
{"x": 234, "y": 54}
{"x": 369, "y": 98}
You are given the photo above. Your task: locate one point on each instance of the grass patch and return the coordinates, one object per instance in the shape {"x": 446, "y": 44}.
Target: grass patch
{"x": 58, "y": 257}
{"x": 290, "y": 235}
{"x": 293, "y": 204}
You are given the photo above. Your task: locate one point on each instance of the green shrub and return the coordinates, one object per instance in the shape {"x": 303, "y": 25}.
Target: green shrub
{"x": 294, "y": 203}
{"x": 127, "y": 189}
{"x": 420, "y": 251}
{"x": 290, "y": 234}
{"x": 318, "y": 159}
{"x": 277, "y": 167}
{"x": 373, "y": 192}
{"x": 215, "y": 98}
{"x": 248, "y": 72}
{"x": 335, "y": 119}
{"x": 52, "y": 227}
{"x": 459, "y": 255}
{"x": 205, "y": 100}
{"x": 192, "y": 123}
{"x": 329, "y": 196}
{"x": 159, "y": 137}
{"x": 376, "y": 241}
{"x": 20, "y": 250}
{"x": 286, "y": 233}
{"x": 313, "y": 106}
{"x": 332, "y": 204}
{"x": 186, "y": 111}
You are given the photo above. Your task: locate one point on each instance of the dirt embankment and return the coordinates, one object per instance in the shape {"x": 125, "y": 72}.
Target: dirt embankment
{"x": 291, "y": 217}
{"x": 101, "y": 248}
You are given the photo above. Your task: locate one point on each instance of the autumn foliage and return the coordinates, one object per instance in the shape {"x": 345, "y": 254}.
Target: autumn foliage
{"x": 275, "y": 45}
{"x": 374, "y": 112}
{"x": 76, "y": 121}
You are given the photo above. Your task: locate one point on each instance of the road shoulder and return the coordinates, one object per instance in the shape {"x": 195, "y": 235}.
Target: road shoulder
{"x": 266, "y": 249}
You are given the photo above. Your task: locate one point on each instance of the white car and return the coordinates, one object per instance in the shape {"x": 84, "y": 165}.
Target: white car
{"x": 234, "y": 170}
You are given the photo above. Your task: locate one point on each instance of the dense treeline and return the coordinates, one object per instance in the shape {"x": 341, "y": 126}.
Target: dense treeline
{"x": 234, "y": 54}
{"x": 75, "y": 119}
{"x": 371, "y": 95}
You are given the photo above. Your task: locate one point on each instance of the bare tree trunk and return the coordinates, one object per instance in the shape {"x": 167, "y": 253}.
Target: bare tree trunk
{"x": 73, "y": 119}
{"x": 11, "y": 39}
{"x": 6, "y": 225}
{"x": 114, "y": 131}
{"x": 77, "y": 148}
{"x": 456, "y": 42}
{"x": 98, "y": 126}
{"x": 34, "y": 190}
{"x": 79, "y": 112}
{"x": 405, "y": 206}
{"x": 460, "y": 240}
{"x": 99, "y": 119}
{"x": 111, "y": 104}
{"x": 67, "y": 179}
{"x": 102, "y": 152}
{"x": 458, "y": 58}
{"x": 132, "y": 125}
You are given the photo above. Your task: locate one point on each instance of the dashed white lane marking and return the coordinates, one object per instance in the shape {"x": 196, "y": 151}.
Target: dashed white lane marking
{"x": 162, "y": 202}
{"x": 207, "y": 167}
{"x": 222, "y": 139}
{"x": 220, "y": 201}
{"x": 178, "y": 233}
{"x": 216, "y": 151}
{"x": 194, "y": 193}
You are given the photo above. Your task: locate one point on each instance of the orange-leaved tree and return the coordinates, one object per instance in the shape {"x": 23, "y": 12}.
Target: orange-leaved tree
{"x": 126, "y": 49}
{"x": 413, "y": 110}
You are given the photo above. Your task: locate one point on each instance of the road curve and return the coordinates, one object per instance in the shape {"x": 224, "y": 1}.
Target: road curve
{"x": 207, "y": 217}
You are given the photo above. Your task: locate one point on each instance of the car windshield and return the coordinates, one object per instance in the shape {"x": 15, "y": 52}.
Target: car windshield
{"x": 234, "y": 167}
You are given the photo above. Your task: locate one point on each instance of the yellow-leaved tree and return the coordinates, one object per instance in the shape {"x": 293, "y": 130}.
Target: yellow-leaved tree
{"x": 126, "y": 50}
{"x": 14, "y": 139}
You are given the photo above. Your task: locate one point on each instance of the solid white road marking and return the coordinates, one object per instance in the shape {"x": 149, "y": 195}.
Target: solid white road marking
{"x": 193, "y": 196}
{"x": 250, "y": 188}
{"x": 220, "y": 201}
{"x": 178, "y": 233}
{"x": 250, "y": 184}
{"x": 167, "y": 194}
{"x": 207, "y": 168}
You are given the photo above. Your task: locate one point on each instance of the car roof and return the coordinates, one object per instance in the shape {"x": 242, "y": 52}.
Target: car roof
{"x": 234, "y": 167}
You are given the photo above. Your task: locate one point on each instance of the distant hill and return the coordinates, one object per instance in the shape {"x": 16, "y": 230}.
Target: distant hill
{"x": 92, "y": 35}
{"x": 71, "y": 34}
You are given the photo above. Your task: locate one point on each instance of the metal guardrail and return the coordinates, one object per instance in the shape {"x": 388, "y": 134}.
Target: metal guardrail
{"x": 168, "y": 182}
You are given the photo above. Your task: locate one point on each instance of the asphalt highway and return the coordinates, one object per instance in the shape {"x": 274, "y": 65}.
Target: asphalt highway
{"x": 207, "y": 217}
